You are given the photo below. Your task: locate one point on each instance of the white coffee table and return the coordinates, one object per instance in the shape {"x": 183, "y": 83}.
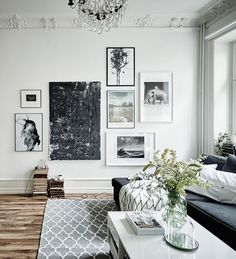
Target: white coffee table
{"x": 123, "y": 241}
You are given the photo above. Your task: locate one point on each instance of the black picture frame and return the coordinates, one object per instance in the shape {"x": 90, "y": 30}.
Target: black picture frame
{"x": 121, "y": 125}
{"x": 28, "y": 139}
{"x": 128, "y": 70}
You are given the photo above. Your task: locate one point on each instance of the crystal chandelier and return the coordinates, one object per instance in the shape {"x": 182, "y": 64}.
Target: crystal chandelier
{"x": 99, "y": 15}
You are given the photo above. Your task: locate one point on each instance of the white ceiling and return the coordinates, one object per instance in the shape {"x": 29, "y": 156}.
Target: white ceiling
{"x": 138, "y": 7}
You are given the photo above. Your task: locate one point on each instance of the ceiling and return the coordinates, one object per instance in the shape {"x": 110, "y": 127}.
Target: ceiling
{"x": 55, "y": 7}
{"x": 140, "y": 13}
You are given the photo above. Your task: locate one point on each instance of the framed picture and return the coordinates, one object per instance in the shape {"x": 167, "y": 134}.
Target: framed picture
{"x": 120, "y": 66}
{"x": 28, "y": 132}
{"x": 129, "y": 149}
{"x": 30, "y": 98}
{"x": 156, "y": 97}
{"x": 120, "y": 109}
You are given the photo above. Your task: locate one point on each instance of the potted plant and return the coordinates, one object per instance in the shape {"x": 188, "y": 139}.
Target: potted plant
{"x": 173, "y": 176}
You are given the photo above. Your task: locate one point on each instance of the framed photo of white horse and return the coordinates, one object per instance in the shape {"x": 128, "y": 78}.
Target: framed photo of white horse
{"x": 28, "y": 132}
{"x": 156, "y": 97}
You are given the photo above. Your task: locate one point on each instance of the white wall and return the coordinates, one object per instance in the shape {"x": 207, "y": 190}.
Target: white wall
{"x": 32, "y": 58}
{"x": 221, "y": 87}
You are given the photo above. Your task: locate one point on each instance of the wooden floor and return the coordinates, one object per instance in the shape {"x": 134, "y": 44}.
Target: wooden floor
{"x": 21, "y": 220}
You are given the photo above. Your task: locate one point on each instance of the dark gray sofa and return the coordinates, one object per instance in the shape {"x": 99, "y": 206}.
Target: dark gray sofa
{"x": 218, "y": 218}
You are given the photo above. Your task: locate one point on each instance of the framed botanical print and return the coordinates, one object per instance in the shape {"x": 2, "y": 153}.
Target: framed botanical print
{"x": 30, "y": 98}
{"x": 28, "y": 132}
{"x": 156, "y": 97}
{"x": 120, "y": 109}
{"x": 120, "y": 66}
{"x": 129, "y": 149}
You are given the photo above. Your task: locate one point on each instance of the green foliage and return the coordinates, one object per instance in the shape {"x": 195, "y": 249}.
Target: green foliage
{"x": 223, "y": 138}
{"x": 172, "y": 175}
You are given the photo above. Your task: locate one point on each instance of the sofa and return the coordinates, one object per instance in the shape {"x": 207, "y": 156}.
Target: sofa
{"x": 218, "y": 218}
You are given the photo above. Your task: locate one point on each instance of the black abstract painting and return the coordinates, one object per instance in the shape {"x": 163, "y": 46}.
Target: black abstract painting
{"x": 75, "y": 120}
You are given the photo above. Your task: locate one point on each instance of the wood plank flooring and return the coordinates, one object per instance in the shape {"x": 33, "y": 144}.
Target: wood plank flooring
{"x": 21, "y": 219}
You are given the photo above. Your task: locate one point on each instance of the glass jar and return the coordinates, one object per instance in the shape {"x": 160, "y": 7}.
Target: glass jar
{"x": 174, "y": 209}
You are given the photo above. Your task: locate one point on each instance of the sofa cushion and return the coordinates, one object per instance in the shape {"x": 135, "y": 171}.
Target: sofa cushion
{"x": 230, "y": 164}
{"x": 225, "y": 213}
{"x": 197, "y": 197}
{"x": 221, "y": 185}
{"x": 214, "y": 159}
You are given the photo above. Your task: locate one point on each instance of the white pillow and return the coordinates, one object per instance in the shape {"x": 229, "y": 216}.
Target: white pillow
{"x": 211, "y": 166}
{"x": 222, "y": 185}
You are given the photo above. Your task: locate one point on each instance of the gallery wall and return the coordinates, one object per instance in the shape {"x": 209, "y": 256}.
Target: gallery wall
{"x": 32, "y": 58}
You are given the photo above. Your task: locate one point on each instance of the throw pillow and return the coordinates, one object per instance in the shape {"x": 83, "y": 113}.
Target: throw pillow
{"x": 222, "y": 185}
{"x": 230, "y": 164}
{"x": 214, "y": 159}
{"x": 213, "y": 166}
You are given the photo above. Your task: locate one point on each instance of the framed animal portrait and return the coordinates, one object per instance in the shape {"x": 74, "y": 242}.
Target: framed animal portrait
{"x": 28, "y": 132}
{"x": 156, "y": 97}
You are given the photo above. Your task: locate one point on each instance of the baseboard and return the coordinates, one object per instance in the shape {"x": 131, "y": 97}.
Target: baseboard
{"x": 83, "y": 185}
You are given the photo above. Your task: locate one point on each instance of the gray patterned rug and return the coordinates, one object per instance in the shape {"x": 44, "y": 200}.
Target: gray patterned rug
{"x": 75, "y": 229}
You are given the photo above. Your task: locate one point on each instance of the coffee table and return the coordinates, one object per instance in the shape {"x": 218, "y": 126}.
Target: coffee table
{"x": 124, "y": 243}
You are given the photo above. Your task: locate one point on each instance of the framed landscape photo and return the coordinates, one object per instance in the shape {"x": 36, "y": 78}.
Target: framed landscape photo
{"x": 156, "y": 97}
{"x": 129, "y": 149}
{"x": 120, "y": 109}
{"x": 120, "y": 66}
{"x": 30, "y": 98}
{"x": 28, "y": 132}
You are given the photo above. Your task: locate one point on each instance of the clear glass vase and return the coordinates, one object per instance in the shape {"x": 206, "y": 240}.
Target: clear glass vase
{"x": 174, "y": 210}
{"x": 179, "y": 230}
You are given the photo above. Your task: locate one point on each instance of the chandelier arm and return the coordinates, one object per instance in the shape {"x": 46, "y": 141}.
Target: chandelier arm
{"x": 74, "y": 4}
{"x": 98, "y": 16}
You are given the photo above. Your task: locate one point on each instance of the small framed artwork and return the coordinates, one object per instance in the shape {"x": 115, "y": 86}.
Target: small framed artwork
{"x": 156, "y": 97}
{"x": 28, "y": 132}
{"x": 120, "y": 109}
{"x": 129, "y": 149}
{"x": 30, "y": 98}
{"x": 120, "y": 66}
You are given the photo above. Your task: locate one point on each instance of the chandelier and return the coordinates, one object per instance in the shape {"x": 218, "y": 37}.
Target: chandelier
{"x": 99, "y": 15}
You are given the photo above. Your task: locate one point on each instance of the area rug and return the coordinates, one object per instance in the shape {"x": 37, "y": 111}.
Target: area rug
{"x": 75, "y": 229}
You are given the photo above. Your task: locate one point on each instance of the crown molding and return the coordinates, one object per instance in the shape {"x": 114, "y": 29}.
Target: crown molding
{"x": 19, "y": 22}
{"x": 215, "y": 10}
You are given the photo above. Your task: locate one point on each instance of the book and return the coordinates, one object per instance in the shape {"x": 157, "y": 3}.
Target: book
{"x": 144, "y": 223}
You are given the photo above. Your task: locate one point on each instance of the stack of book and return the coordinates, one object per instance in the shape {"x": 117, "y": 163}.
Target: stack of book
{"x": 40, "y": 177}
{"x": 56, "y": 188}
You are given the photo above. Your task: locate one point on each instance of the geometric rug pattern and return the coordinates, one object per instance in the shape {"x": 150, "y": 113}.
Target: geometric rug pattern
{"x": 75, "y": 229}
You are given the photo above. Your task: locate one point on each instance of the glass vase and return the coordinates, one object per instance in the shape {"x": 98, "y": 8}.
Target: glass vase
{"x": 179, "y": 230}
{"x": 174, "y": 210}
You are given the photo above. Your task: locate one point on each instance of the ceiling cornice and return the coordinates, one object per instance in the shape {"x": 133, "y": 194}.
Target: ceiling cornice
{"x": 216, "y": 10}
{"x": 173, "y": 21}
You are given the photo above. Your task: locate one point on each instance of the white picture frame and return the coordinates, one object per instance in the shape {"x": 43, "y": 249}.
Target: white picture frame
{"x": 30, "y": 98}
{"x": 156, "y": 97}
{"x": 28, "y": 132}
{"x": 120, "y": 109}
{"x": 130, "y": 148}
